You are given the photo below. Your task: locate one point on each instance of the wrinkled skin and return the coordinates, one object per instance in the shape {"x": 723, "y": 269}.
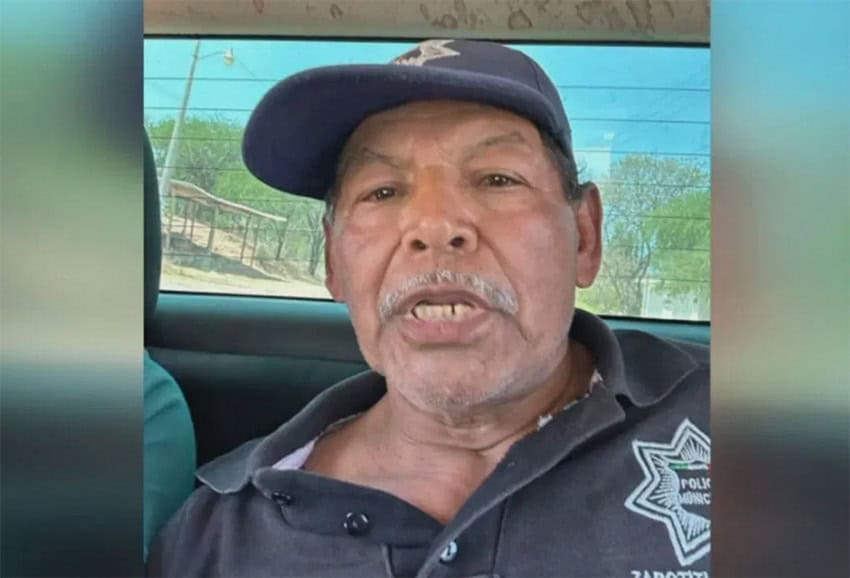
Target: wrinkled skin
{"x": 468, "y": 188}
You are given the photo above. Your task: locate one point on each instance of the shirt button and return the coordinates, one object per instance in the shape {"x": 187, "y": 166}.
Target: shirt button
{"x": 282, "y": 499}
{"x": 356, "y": 524}
{"x": 450, "y": 553}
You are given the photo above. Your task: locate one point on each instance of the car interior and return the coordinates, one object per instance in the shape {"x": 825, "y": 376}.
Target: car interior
{"x": 247, "y": 363}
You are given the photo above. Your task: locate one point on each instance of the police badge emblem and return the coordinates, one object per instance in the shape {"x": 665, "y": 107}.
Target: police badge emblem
{"x": 676, "y": 489}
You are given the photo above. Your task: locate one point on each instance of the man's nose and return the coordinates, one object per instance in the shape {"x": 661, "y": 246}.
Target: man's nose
{"x": 438, "y": 218}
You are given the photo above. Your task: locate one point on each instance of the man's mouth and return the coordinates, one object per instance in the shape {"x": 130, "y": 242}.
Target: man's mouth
{"x": 445, "y": 295}
{"x": 444, "y": 316}
{"x": 442, "y": 304}
{"x": 427, "y": 311}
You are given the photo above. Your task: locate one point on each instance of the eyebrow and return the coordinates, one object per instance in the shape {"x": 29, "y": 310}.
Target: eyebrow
{"x": 513, "y": 137}
{"x": 365, "y": 154}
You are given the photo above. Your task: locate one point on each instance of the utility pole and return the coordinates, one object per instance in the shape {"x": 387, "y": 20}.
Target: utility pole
{"x": 174, "y": 143}
{"x": 171, "y": 154}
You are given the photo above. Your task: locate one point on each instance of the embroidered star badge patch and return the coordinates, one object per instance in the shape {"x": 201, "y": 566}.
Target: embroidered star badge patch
{"x": 676, "y": 489}
{"x": 425, "y": 51}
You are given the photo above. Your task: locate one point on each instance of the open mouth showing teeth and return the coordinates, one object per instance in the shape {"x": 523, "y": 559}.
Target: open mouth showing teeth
{"x": 442, "y": 312}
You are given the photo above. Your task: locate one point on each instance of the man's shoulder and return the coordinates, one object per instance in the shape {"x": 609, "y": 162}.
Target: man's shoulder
{"x": 183, "y": 533}
{"x": 630, "y": 339}
{"x": 655, "y": 367}
{"x": 231, "y": 472}
{"x": 224, "y": 476}
{"x": 640, "y": 366}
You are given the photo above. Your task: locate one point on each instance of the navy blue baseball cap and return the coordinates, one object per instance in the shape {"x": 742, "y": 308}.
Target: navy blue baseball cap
{"x": 298, "y": 130}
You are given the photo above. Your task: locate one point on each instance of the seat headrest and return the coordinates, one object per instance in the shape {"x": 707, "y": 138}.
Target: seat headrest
{"x": 153, "y": 240}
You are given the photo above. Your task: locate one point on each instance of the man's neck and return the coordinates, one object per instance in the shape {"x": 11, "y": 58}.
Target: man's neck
{"x": 435, "y": 461}
{"x": 481, "y": 432}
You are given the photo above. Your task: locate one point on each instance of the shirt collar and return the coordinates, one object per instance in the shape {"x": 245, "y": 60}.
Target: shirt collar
{"x": 232, "y": 471}
{"x": 635, "y": 366}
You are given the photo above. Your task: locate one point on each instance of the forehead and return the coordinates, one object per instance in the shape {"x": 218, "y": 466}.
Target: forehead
{"x": 442, "y": 118}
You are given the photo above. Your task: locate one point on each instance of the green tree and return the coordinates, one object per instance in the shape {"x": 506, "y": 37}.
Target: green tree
{"x": 207, "y": 149}
{"x": 682, "y": 260}
{"x": 639, "y": 196}
{"x": 317, "y": 237}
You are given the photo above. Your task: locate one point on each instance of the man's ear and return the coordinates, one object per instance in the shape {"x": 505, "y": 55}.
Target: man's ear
{"x": 589, "y": 236}
{"x": 330, "y": 277}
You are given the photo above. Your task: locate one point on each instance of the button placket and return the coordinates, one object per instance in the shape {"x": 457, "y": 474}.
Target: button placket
{"x": 282, "y": 498}
{"x": 449, "y": 553}
{"x": 356, "y": 523}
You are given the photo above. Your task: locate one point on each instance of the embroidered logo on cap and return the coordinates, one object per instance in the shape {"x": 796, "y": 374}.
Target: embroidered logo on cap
{"x": 676, "y": 489}
{"x": 425, "y": 51}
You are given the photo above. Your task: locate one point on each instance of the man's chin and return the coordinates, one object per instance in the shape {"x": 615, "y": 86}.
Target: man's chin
{"x": 447, "y": 392}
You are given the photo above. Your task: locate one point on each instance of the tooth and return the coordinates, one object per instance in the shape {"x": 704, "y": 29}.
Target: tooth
{"x": 428, "y": 311}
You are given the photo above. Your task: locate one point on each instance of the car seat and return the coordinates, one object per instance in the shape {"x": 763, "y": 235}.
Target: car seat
{"x": 169, "y": 437}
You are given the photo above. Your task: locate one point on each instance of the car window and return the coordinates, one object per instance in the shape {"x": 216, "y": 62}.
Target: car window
{"x": 640, "y": 117}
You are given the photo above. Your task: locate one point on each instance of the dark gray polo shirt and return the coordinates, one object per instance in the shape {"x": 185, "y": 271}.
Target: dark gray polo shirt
{"x": 615, "y": 485}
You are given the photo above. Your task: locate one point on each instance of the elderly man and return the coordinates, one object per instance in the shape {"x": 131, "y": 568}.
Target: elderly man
{"x": 501, "y": 431}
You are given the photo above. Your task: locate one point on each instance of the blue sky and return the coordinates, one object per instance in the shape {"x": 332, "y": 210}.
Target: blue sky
{"x": 619, "y": 99}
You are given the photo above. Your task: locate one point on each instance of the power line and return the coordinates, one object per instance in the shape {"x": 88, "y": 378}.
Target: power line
{"x": 563, "y": 86}
{"x": 279, "y": 199}
{"x": 626, "y": 152}
{"x": 310, "y": 231}
{"x": 689, "y": 186}
{"x": 678, "y": 249}
{"x": 638, "y": 120}
{"x": 200, "y": 108}
{"x": 239, "y": 139}
{"x": 645, "y": 216}
{"x": 572, "y": 119}
{"x": 665, "y": 280}
{"x": 622, "y": 87}
{"x": 648, "y": 216}
{"x": 648, "y": 153}
{"x": 199, "y": 138}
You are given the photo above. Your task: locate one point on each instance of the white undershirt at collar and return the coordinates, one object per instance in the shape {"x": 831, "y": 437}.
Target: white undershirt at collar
{"x": 297, "y": 459}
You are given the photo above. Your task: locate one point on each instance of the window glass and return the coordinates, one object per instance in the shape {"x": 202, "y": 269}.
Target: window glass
{"x": 641, "y": 124}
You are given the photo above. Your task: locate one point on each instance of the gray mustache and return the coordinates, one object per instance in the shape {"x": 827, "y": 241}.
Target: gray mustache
{"x": 496, "y": 297}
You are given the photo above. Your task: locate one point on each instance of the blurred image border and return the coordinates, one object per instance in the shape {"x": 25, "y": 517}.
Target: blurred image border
{"x": 71, "y": 310}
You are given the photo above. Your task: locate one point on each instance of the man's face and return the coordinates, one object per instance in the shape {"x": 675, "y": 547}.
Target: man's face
{"x": 457, "y": 252}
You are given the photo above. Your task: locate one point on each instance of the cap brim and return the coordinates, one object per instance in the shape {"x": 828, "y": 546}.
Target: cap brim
{"x": 297, "y": 131}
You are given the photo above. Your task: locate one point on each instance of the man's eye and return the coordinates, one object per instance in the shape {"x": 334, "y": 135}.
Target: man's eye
{"x": 498, "y": 180}
{"x": 382, "y": 194}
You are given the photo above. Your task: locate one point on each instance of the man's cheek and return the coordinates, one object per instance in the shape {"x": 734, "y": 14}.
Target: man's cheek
{"x": 348, "y": 268}
{"x": 553, "y": 252}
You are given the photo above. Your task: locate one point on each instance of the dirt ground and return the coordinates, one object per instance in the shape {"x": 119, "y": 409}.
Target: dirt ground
{"x": 176, "y": 278}
{"x": 182, "y": 277}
